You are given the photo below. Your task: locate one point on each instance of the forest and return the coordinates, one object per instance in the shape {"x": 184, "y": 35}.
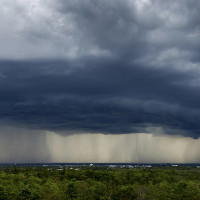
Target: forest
{"x": 91, "y": 183}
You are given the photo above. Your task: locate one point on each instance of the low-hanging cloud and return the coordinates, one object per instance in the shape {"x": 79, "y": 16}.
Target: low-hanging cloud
{"x": 103, "y": 96}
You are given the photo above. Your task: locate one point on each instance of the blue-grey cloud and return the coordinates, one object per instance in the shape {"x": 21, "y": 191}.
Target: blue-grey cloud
{"x": 99, "y": 66}
{"x": 100, "y": 96}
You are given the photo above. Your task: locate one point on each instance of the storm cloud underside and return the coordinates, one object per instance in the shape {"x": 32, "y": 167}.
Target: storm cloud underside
{"x": 102, "y": 96}
{"x": 108, "y": 67}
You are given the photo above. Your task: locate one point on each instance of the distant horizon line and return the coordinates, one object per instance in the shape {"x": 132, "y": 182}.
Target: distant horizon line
{"x": 140, "y": 163}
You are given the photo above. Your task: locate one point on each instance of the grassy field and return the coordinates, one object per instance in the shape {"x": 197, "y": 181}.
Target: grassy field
{"x": 90, "y": 183}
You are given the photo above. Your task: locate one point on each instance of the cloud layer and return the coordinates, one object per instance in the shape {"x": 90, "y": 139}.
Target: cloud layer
{"x": 98, "y": 66}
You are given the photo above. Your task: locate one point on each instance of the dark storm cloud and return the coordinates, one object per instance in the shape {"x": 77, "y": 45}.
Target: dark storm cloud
{"x": 101, "y": 96}
{"x": 101, "y": 66}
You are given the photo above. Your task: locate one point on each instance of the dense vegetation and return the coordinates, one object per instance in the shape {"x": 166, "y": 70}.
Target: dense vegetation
{"x": 92, "y": 183}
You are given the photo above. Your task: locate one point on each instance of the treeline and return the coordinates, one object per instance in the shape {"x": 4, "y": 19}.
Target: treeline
{"x": 99, "y": 184}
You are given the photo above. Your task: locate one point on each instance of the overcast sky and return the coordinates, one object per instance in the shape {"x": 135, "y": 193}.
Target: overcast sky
{"x": 98, "y": 66}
